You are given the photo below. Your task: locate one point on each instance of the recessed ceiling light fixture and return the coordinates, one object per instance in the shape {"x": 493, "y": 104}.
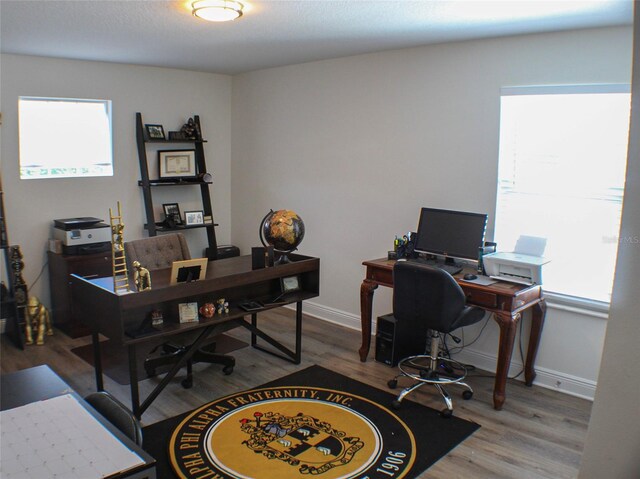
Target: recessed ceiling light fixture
{"x": 217, "y": 10}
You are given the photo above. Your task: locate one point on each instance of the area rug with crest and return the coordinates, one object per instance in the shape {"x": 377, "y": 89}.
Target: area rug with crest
{"x": 312, "y": 423}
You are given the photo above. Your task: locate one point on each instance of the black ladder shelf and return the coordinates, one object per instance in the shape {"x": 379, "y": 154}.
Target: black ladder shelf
{"x": 147, "y": 184}
{"x": 15, "y": 303}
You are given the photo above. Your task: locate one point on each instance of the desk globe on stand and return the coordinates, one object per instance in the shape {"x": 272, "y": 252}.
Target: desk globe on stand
{"x": 284, "y": 230}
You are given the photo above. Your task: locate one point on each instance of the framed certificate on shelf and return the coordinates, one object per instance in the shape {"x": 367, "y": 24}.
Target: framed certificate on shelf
{"x": 188, "y": 312}
{"x": 177, "y": 163}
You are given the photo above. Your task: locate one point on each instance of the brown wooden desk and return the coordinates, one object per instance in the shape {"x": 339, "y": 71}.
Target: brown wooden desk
{"x": 506, "y": 301}
{"x": 112, "y": 314}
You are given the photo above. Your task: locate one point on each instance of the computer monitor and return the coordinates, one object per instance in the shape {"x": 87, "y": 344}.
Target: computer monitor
{"x": 451, "y": 234}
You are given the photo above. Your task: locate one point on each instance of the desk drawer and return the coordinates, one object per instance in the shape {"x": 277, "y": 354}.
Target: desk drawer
{"x": 482, "y": 298}
{"x": 382, "y": 276}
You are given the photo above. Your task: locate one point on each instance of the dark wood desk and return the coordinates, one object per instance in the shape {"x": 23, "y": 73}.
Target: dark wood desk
{"x": 40, "y": 383}
{"x": 112, "y": 314}
{"x": 506, "y": 301}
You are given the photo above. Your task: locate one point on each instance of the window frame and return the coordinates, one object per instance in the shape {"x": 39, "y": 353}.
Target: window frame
{"x": 557, "y": 300}
{"x": 108, "y": 106}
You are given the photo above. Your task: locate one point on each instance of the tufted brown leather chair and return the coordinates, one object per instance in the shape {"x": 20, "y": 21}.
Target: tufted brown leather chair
{"x": 159, "y": 252}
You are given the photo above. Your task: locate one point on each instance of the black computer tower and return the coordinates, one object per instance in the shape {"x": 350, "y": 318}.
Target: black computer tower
{"x": 397, "y": 339}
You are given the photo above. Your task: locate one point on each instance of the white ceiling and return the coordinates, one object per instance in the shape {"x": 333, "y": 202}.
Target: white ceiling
{"x": 275, "y": 33}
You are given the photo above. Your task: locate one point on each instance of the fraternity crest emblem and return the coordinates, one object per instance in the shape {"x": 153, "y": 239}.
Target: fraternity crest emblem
{"x": 292, "y": 432}
{"x": 302, "y": 441}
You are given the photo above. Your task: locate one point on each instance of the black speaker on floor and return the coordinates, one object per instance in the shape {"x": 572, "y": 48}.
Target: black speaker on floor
{"x": 396, "y": 340}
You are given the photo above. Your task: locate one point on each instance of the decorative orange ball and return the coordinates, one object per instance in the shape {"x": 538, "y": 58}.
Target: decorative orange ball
{"x": 207, "y": 310}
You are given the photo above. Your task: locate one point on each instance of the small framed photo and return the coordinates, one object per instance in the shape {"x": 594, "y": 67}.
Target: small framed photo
{"x": 194, "y": 218}
{"x": 188, "y": 270}
{"x": 290, "y": 284}
{"x": 172, "y": 213}
{"x": 177, "y": 163}
{"x": 155, "y": 132}
{"x": 188, "y": 312}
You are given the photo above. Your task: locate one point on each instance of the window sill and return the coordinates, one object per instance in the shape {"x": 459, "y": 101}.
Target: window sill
{"x": 573, "y": 304}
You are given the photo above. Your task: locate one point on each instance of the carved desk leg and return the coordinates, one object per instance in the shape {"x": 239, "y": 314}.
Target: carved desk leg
{"x": 538, "y": 313}
{"x": 366, "y": 303}
{"x": 507, "y": 323}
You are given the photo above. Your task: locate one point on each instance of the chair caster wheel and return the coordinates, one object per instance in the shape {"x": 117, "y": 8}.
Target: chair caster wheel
{"x": 396, "y": 404}
{"x": 466, "y": 395}
{"x": 227, "y": 370}
{"x": 187, "y": 383}
{"x": 446, "y": 413}
{"x": 392, "y": 383}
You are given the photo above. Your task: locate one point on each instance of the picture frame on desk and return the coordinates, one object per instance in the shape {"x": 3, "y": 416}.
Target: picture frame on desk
{"x": 188, "y": 312}
{"x": 290, "y": 284}
{"x": 188, "y": 270}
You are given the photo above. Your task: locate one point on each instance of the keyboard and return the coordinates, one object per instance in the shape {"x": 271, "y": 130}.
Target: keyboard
{"x": 449, "y": 268}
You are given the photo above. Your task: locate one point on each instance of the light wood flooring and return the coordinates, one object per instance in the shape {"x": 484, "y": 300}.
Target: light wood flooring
{"x": 538, "y": 434}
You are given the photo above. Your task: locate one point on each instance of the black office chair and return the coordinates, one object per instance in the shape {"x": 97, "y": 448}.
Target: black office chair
{"x": 431, "y": 301}
{"x": 117, "y": 414}
{"x": 158, "y": 252}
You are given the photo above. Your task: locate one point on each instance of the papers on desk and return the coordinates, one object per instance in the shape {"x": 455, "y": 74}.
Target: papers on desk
{"x": 482, "y": 280}
{"x": 530, "y": 245}
{"x": 58, "y": 438}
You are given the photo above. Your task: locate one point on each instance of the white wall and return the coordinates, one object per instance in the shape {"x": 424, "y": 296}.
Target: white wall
{"x": 163, "y": 96}
{"x": 357, "y": 145}
{"x": 613, "y": 440}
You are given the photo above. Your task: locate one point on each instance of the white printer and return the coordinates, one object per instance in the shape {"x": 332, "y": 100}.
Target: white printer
{"x": 82, "y": 235}
{"x": 523, "y": 265}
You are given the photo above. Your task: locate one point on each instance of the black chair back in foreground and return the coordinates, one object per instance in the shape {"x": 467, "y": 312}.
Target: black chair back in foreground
{"x": 117, "y": 414}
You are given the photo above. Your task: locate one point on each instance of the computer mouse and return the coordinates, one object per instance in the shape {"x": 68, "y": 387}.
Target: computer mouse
{"x": 470, "y": 276}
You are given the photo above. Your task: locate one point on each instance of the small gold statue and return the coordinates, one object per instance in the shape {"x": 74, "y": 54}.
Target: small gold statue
{"x": 117, "y": 230}
{"x": 38, "y": 319}
{"x": 141, "y": 277}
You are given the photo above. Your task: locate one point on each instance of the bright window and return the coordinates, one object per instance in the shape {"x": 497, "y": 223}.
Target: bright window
{"x": 61, "y": 138}
{"x": 563, "y": 153}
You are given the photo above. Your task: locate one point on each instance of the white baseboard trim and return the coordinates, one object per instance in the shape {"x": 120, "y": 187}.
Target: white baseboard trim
{"x": 547, "y": 378}
{"x": 332, "y": 315}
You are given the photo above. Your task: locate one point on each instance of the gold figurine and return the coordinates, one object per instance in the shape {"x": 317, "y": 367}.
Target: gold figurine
{"x": 117, "y": 230}
{"x": 118, "y": 257}
{"x": 38, "y": 319}
{"x": 141, "y": 277}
